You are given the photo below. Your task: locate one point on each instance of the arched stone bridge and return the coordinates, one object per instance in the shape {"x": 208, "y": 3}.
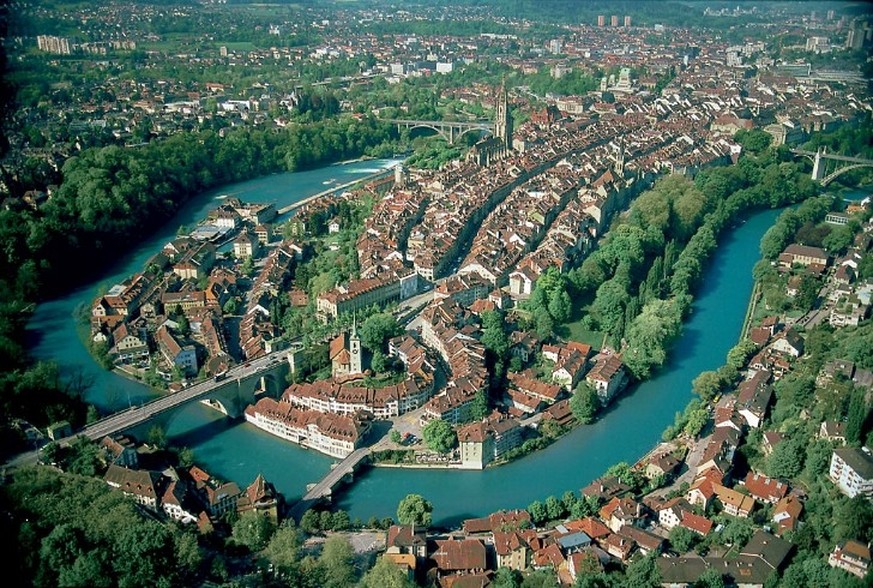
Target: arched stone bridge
{"x": 230, "y": 394}
{"x": 451, "y": 131}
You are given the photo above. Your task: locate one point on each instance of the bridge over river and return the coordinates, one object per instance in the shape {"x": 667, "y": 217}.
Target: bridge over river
{"x": 230, "y": 394}
{"x": 323, "y": 489}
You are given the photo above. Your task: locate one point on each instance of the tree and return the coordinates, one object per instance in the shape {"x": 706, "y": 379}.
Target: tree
{"x": 854, "y": 520}
{"x": 683, "y": 540}
{"x": 337, "y": 563}
{"x": 83, "y": 457}
{"x": 439, "y": 436}
{"x": 506, "y": 578}
{"x": 554, "y": 508}
{"x": 856, "y": 416}
{"x": 626, "y": 475}
{"x": 377, "y": 329}
{"x": 540, "y": 579}
{"x": 710, "y": 578}
{"x": 188, "y": 552}
{"x": 538, "y": 513}
{"x": 395, "y": 436}
{"x": 253, "y": 530}
{"x": 740, "y": 353}
{"x": 479, "y": 410}
{"x": 642, "y": 573}
{"x": 786, "y": 461}
{"x": 157, "y": 437}
{"x": 386, "y": 574}
{"x": 494, "y": 336}
{"x": 560, "y": 306}
{"x": 754, "y": 141}
{"x": 51, "y": 453}
{"x": 379, "y": 362}
{"x": 310, "y": 522}
{"x": 707, "y": 385}
{"x": 585, "y": 403}
{"x": 340, "y": 521}
{"x": 414, "y": 510}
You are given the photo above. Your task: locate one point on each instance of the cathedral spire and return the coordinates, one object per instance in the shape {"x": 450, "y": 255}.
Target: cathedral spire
{"x": 502, "y": 118}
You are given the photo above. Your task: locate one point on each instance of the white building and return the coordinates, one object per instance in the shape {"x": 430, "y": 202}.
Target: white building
{"x": 852, "y": 471}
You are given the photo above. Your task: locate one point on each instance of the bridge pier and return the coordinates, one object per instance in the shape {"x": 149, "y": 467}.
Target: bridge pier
{"x": 818, "y": 166}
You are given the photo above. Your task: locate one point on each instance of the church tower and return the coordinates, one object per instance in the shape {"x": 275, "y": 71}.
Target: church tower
{"x": 502, "y": 118}
{"x": 355, "y": 351}
{"x": 619, "y": 159}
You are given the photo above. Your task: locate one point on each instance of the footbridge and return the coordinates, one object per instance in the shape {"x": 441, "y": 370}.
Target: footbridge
{"x": 323, "y": 489}
{"x": 451, "y": 131}
{"x": 230, "y": 394}
{"x": 843, "y": 164}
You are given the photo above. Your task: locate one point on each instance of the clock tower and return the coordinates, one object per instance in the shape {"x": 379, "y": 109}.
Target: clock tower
{"x": 355, "y": 352}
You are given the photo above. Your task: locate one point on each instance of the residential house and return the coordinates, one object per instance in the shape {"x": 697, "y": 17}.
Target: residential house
{"x": 502, "y": 520}
{"x": 662, "y": 466}
{"x": 453, "y": 556}
{"x": 605, "y": 489}
{"x": 765, "y": 489}
{"x": 790, "y": 343}
{"x": 786, "y": 514}
{"x": 246, "y": 245}
{"x": 670, "y": 512}
{"x": 646, "y": 542}
{"x": 176, "y": 355}
{"x": 753, "y": 398}
{"x": 803, "y": 255}
{"x": 619, "y": 512}
{"x": 128, "y": 346}
{"x": 261, "y": 497}
{"x": 522, "y": 282}
{"x": 511, "y": 550}
{"x": 120, "y": 450}
{"x": 608, "y": 377}
{"x": 569, "y": 369}
{"x": 834, "y": 431}
{"x": 734, "y": 503}
{"x": 407, "y": 539}
{"x": 483, "y": 442}
{"x": 144, "y": 486}
{"x": 851, "y": 470}
{"x": 769, "y": 441}
{"x": 701, "y": 492}
{"x": 179, "y": 502}
{"x": 851, "y": 556}
{"x": 696, "y": 523}
{"x": 618, "y": 546}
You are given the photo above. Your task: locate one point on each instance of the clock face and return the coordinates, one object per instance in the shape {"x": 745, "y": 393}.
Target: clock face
{"x": 354, "y": 350}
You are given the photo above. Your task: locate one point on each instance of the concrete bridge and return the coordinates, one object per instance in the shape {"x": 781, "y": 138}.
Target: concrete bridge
{"x": 451, "y": 131}
{"x": 819, "y": 164}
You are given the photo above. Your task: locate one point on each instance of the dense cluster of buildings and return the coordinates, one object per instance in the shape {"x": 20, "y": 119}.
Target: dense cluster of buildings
{"x": 189, "y": 496}
{"x": 628, "y": 525}
{"x": 332, "y": 416}
{"x": 142, "y": 320}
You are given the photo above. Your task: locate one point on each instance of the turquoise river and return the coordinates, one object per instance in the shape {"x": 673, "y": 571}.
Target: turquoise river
{"x": 237, "y": 451}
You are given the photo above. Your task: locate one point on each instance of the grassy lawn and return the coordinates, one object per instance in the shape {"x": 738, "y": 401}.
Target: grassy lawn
{"x": 576, "y": 332}
{"x": 236, "y": 46}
